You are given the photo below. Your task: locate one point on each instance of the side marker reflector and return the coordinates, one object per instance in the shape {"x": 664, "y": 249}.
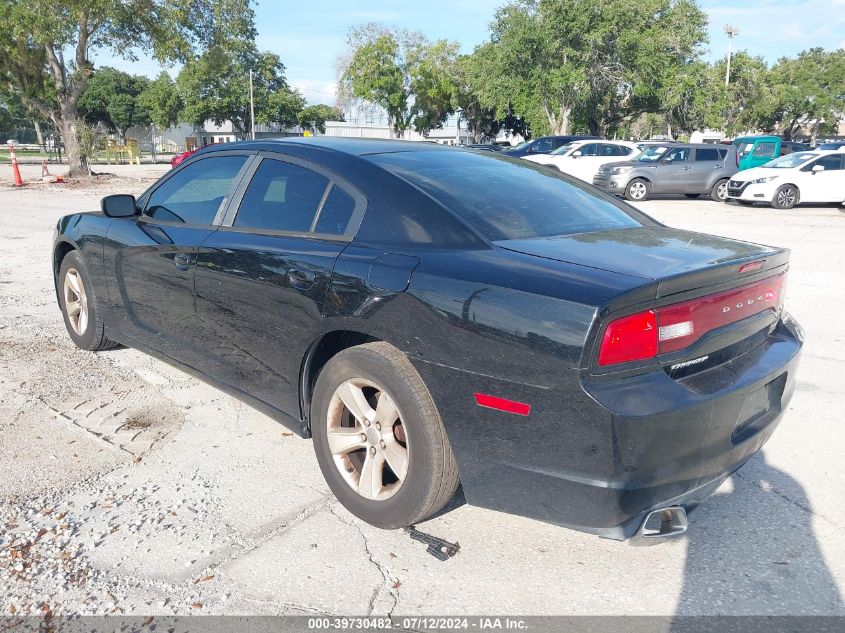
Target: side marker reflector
{"x": 502, "y": 404}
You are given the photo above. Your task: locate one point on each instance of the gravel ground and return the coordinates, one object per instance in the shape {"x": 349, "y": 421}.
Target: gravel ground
{"x": 129, "y": 487}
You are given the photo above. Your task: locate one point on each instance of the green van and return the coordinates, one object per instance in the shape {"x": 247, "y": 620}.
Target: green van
{"x": 754, "y": 151}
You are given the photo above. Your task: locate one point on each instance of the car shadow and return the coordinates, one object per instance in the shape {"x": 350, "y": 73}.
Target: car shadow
{"x": 753, "y": 551}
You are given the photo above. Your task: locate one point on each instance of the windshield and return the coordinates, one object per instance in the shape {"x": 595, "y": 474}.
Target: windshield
{"x": 506, "y": 199}
{"x": 652, "y": 153}
{"x": 562, "y": 149}
{"x": 522, "y": 145}
{"x": 832, "y": 145}
{"x": 790, "y": 160}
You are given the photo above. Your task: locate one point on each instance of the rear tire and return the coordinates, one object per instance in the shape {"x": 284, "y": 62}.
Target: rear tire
{"x": 386, "y": 457}
{"x": 786, "y": 197}
{"x": 78, "y": 302}
{"x": 637, "y": 190}
{"x": 719, "y": 192}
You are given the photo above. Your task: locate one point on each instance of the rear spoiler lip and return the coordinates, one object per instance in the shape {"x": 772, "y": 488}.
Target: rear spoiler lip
{"x": 727, "y": 273}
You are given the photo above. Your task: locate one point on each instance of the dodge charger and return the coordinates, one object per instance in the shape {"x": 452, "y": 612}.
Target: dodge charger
{"x": 435, "y": 316}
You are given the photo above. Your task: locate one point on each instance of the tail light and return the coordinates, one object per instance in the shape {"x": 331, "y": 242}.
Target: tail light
{"x": 670, "y": 328}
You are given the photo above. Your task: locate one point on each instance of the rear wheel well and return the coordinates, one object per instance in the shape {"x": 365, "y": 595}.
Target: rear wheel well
{"x": 318, "y": 355}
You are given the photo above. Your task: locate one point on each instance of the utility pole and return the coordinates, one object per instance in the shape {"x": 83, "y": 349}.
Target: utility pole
{"x": 251, "y": 106}
{"x": 731, "y": 32}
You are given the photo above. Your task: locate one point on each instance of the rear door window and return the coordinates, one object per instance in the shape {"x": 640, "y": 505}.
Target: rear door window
{"x": 281, "y": 197}
{"x": 194, "y": 194}
{"x": 706, "y": 154}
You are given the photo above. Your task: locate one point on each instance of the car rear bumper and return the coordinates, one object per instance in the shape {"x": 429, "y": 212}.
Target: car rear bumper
{"x": 600, "y": 460}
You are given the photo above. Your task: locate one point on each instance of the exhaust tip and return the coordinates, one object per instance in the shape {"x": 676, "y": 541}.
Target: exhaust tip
{"x": 664, "y": 522}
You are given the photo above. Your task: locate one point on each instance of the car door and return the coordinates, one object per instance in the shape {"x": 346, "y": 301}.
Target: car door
{"x": 262, "y": 278}
{"x": 706, "y": 162}
{"x": 583, "y": 166}
{"x": 150, "y": 258}
{"x": 672, "y": 171}
{"x": 823, "y": 186}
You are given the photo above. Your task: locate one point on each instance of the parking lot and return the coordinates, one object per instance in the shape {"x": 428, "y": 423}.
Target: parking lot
{"x": 129, "y": 487}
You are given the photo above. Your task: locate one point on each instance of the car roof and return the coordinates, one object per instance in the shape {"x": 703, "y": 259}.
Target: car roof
{"x": 353, "y": 146}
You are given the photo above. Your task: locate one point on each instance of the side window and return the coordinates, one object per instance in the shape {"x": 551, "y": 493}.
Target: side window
{"x": 336, "y": 212}
{"x": 722, "y": 154}
{"x": 558, "y": 142}
{"x": 830, "y": 163}
{"x": 281, "y": 197}
{"x": 195, "y": 193}
{"x": 706, "y": 154}
{"x": 765, "y": 149}
{"x": 620, "y": 150}
{"x": 590, "y": 149}
{"x": 677, "y": 154}
{"x": 543, "y": 145}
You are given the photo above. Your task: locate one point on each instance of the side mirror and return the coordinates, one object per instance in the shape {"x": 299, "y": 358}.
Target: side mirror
{"x": 818, "y": 168}
{"x": 576, "y": 154}
{"x": 119, "y": 205}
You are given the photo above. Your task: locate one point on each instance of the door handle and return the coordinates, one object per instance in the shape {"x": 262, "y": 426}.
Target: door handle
{"x": 183, "y": 261}
{"x": 301, "y": 279}
{"x": 688, "y": 168}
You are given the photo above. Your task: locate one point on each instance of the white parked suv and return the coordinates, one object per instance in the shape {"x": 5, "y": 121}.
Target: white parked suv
{"x": 583, "y": 159}
{"x": 817, "y": 176}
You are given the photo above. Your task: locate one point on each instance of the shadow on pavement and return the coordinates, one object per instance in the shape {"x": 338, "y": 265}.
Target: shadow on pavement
{"x": 753, "y": 551}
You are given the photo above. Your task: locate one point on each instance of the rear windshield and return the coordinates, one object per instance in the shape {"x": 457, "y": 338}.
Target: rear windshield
{"x": 506, "y": 199}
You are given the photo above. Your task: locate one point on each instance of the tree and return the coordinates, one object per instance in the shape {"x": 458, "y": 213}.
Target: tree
{"x": 162, "y": 102}
{"x": 169, "y": 29}
{"x": 22, "y": 82}
{"x": 567, "y": 65}
{"x": 807, "y": 92}
{"x": 314, "y": 117}
{"x": 480, "y": 119}
{"x": 215, "y": 86}
{"x": 111, "y": 98}
{"x": 402, "y": 72}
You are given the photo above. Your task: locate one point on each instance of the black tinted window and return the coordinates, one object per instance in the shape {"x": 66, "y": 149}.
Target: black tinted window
{"x": 615, "y": 150}
{"x": 543, "y": 145}
{"x": 194, "y": 194}
{"x": 706, "y": 154}
{"x": 506, "y": 198}
{"x": 281, "y": 197}
{"x": 336, "y": 212}
{"x": 590, "y": 149}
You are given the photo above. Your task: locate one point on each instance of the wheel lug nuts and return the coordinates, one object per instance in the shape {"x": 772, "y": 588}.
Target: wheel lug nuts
{"x": 366, "y": 422}
{"x": 378, "y": 425}
{"x": 372, "y": 450}
{"x": 382, "y": 444}
{"x": 364, "y": 436}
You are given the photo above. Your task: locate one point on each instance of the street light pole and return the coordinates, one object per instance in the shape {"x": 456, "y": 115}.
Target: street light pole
{"x": 731, "y": 32}
{"x": 251, "y": 106}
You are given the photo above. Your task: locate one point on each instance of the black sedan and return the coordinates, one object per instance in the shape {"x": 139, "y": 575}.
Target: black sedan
{"x": 431, "y": 315}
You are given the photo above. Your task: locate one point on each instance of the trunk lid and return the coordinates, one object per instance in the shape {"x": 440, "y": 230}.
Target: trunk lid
{"x": 676, "y": 260}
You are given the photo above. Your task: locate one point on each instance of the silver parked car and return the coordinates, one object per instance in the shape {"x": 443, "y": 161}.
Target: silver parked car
{"x": 688, "y": 169}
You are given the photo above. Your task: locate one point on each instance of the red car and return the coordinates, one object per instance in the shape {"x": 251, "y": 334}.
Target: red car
{"x": 177, "y": 160}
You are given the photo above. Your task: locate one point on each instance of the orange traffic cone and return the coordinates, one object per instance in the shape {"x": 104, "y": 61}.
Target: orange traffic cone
{"x": 15, "y": 170}
{"x": 45, "y": 172}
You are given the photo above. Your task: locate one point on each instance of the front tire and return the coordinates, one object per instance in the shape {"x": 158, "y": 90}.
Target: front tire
{"x": 719, "y": 192}
{"x": 78, "y": 302}
{"x": 786, "y": 197}
{"x": 379, "y": 439}
{"x": 637, "y": 190}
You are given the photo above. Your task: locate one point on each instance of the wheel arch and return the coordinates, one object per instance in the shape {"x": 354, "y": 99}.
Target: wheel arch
{"x": 60, "y": 251}
{"x": 320, "y": 352}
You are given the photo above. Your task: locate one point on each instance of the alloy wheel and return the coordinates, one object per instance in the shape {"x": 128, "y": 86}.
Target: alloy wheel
{"x": 638, "y": 190}
{"x": 76, "y": 301}
{"x": 367, "y": 439}
{"x": 722, "y": 191}
{"x": 786, "y": 197}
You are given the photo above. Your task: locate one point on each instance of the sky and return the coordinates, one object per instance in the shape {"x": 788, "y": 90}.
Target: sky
{"x": 308, "y": 36}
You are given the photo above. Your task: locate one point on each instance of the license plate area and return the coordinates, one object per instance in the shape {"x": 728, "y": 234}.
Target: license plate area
{"x": 758, "y": 409}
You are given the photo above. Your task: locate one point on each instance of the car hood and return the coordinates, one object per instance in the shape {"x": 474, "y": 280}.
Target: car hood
{"x": 757, "y": 172}
{"x": 654, "y": 253}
